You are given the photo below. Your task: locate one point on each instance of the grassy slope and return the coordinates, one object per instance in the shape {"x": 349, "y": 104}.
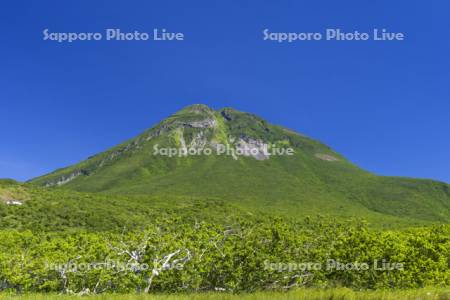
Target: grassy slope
{"x": 306, "y": 294}
{"x": 297, "y": 185}
{"x": 49, "y": 210}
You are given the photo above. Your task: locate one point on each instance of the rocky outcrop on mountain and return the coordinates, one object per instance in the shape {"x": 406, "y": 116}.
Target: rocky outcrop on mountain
{"x": 255, "y": 148}
{"x": 326, "y": 157}
{"x": 66, "y": 178}
{"x": 207, "y": 123}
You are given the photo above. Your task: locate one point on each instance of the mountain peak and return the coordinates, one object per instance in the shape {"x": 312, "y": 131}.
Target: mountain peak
{"x": 196, "y": 108}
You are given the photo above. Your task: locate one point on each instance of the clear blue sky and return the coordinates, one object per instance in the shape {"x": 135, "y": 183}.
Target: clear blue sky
{"x": 384, "y": 105}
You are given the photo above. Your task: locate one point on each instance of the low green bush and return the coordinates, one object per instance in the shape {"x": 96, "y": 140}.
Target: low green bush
{"x": 245, "y": 256}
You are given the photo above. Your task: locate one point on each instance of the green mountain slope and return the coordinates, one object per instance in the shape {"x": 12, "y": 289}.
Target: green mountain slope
{"x": 314, "y": 180}
{"x": 54, "y": 210}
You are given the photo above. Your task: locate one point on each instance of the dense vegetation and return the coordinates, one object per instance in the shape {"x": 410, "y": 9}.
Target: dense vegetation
{"x": 58, "y": 209}
{"x": 245, "y": 256}
{"x": 189, "y": 245}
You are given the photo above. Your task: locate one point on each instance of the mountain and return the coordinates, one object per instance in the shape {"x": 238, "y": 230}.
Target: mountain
{"x": 313, "y": 180}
